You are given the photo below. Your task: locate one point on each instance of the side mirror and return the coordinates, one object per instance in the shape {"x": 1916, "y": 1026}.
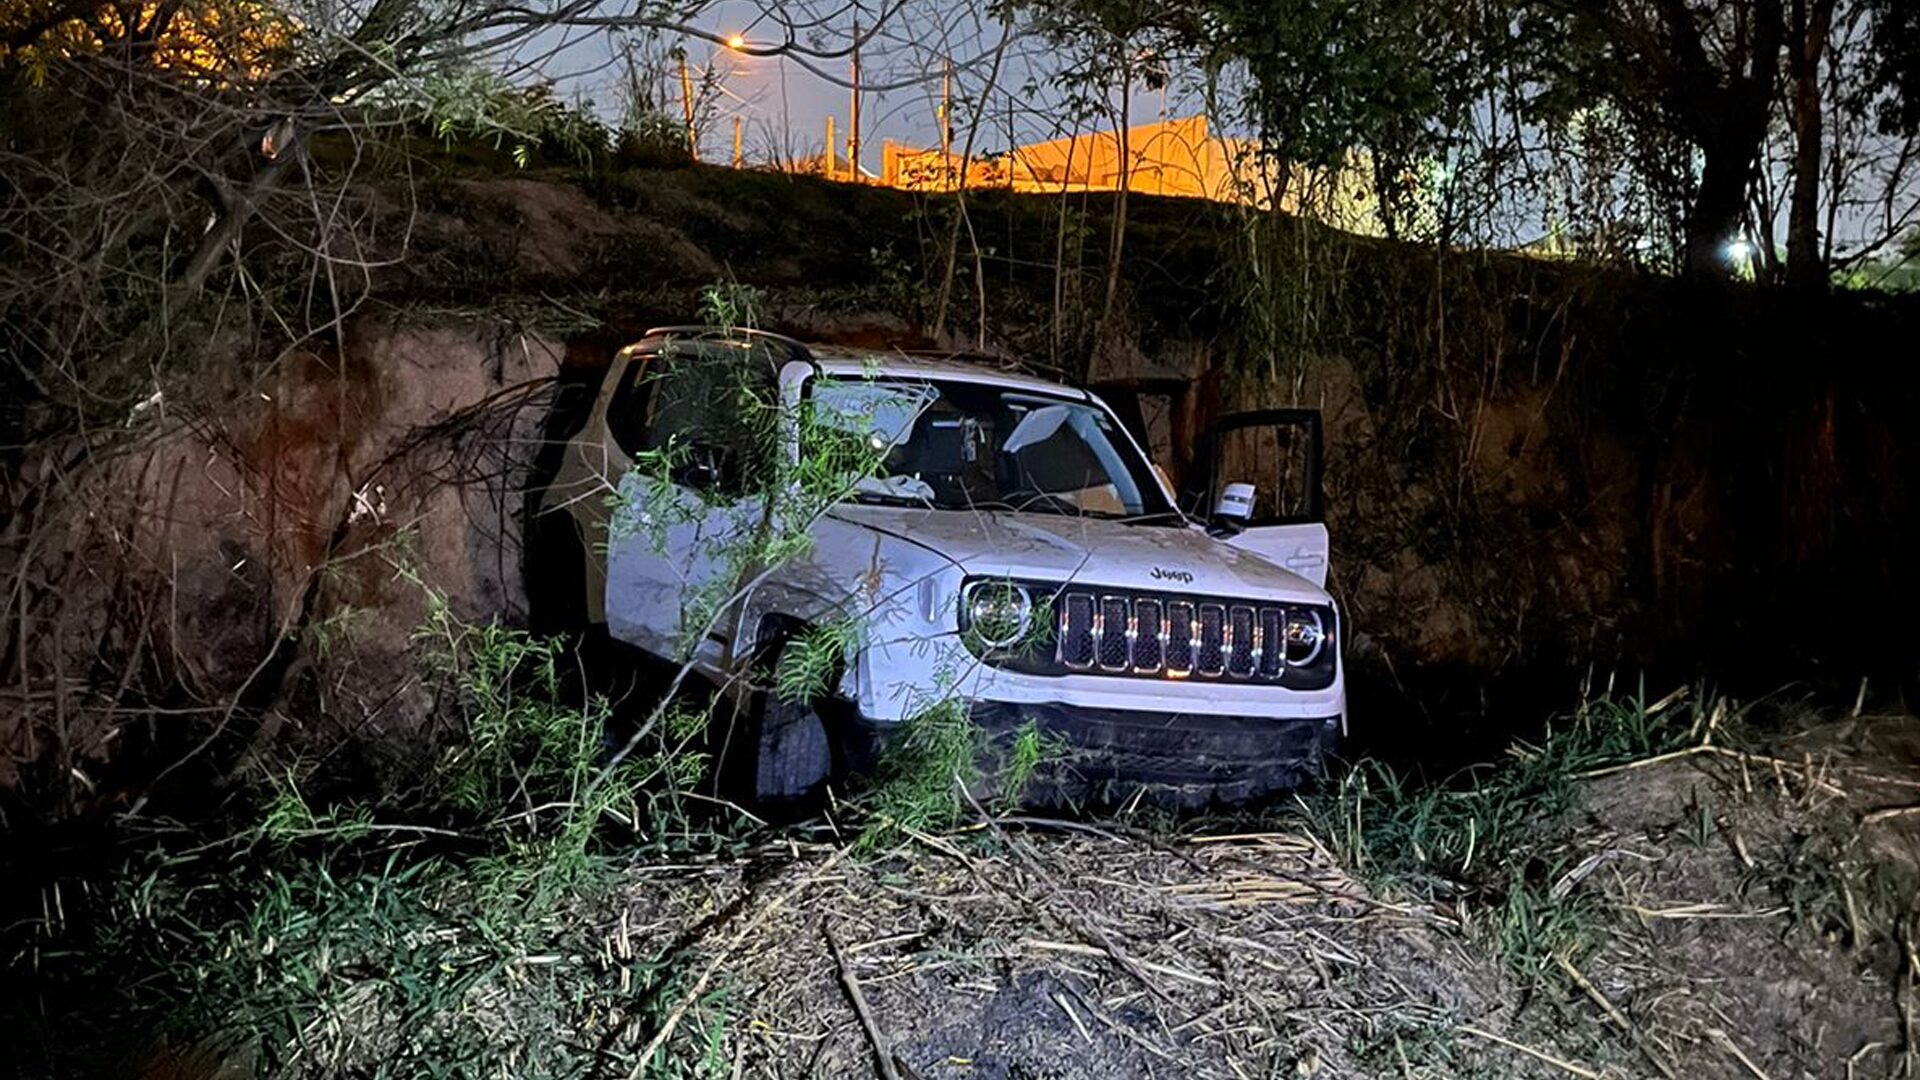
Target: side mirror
{"x": 709, "y": 466}
{"x": 1232, "y": 511}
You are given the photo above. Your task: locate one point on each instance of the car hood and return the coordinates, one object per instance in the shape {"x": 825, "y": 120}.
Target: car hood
{"x": 1058, "y": 548}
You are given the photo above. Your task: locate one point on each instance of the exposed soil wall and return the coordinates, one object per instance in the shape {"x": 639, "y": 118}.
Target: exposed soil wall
{"x": 1532, "y": 467}
{"x": 229, "y": 582}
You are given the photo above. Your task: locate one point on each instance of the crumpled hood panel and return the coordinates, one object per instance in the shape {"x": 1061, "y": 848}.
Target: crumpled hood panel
{"x": 1057, "y": 547}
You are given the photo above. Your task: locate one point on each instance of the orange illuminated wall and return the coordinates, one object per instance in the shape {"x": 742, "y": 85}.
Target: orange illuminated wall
{"x": 1174, "y": 157}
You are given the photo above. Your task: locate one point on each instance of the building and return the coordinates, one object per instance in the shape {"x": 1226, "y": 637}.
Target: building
{"x": 1180, "y": 157}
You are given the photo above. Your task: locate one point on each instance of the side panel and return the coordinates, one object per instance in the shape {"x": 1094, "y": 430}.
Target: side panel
{"x": 668, "y": 574}
{"x": 905, "y": 600}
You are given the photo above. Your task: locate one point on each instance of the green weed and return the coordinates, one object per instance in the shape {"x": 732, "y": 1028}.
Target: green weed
{"x": 937, "y": 755}
{"x": 1024, "y": 756}
{"x": 1394, "y": 1045}
{"x": 1485, "y": 835}
{"x": 811, "y": 661}
{"x": 429, "y": 934}
{"x": 731, "y": 305}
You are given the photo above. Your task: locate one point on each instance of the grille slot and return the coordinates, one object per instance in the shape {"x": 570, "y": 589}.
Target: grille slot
{"x": 1210, "y": 656}
{"x": 1270, "y": 652}
{"x": 1117, "y": 633}
{"x": 1182, "y": 638}
{"x": 1116, "y": 645}
{"x": 1076, "y": 630}
{"x": 1149, "y": 636}
{"x": 1239, "y": 644}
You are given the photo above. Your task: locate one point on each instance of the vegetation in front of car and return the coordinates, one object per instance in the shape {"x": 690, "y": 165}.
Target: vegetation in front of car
{"x": 494, "y": 921}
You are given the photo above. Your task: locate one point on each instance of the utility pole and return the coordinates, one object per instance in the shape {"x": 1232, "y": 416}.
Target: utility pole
{"x": 738, "y": 121}
{"x": 686, "y": 107}
{"x": 946, "y": 120}
{"x": 832, "y": 166}
{"x": 853, "y": 135}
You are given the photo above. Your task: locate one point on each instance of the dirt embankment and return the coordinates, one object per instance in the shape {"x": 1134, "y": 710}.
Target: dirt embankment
{"x": 190, "y": 596}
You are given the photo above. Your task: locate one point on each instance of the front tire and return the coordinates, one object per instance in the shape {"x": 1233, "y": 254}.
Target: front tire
{"x": 792, "y": 756}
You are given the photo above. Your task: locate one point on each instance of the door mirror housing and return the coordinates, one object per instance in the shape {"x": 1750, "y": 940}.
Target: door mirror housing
{"x": 1236, "y": 502}
{"x": 1233, "y": 510}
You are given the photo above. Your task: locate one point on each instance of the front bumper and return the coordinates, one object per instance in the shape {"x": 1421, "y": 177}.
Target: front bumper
{"x": 1183, "y": 759}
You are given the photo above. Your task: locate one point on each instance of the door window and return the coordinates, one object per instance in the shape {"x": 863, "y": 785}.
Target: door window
{"x": 1277, "y": 451}
{"x": 710, "y": 412}
{"x": 1274, "y": 460}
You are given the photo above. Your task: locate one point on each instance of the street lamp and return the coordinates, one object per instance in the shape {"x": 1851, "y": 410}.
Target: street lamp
{"x": 736, "y": 43}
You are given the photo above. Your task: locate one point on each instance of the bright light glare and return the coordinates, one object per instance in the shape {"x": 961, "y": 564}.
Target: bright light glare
{"x": 736, "y": 42}
{"x": 1738, "y": 251}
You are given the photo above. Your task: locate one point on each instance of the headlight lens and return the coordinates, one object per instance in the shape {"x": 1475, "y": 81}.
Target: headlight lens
{"x": 1306, "y": 636}
{"x": 998, "y": 613}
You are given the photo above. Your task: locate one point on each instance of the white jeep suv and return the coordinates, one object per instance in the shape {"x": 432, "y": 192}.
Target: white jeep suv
{"x": 1015, "y": 551}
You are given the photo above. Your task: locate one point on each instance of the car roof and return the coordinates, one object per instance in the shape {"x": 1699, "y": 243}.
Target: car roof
{"x": 842, "y": 360}
{"x": 958, "y": 367}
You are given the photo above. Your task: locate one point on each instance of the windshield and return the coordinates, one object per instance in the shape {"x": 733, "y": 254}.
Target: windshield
{"x": 964, "y": 446}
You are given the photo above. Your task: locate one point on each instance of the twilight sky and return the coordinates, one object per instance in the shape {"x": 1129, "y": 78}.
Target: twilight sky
{"x": 785, "y": 105}
{"x": 784, "y": 101}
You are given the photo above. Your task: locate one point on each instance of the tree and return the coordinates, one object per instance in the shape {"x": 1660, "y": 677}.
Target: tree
{"x": 1704, "y": 73}
{"x": 1894, "y": 67}
{"x": 1810, "y": 25}
{"x": 1107, "y": 49}
{"x": 144, "y": 145}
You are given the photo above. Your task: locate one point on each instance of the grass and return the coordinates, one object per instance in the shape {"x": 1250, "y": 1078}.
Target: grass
{"x": 435, "y": 932}
{"x": 453, "y": 932}
{"x": 1485, "y": 840}
{"x": 919, "y": 790}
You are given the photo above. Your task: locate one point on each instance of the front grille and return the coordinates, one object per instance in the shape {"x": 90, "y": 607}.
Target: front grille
{"x": 1098, "y": 631}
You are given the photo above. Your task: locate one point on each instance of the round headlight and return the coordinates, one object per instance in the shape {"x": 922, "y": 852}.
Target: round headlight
{"x": 998, "y": 613}
{"x": 1306, "y": 636}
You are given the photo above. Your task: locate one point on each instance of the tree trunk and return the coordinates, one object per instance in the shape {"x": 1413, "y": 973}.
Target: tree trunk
{"x": 1118, "y": 238}
{"x": 1714, "y": 219}
{"x": 1807, "y": 41}
{"x": 1720, "y": 100}
{"x": 224, "y": 236}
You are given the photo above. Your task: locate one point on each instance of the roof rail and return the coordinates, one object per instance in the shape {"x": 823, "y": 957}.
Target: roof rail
{"x": 723, "y": 333}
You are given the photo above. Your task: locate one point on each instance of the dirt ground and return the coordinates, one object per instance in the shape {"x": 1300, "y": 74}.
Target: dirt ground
{"x": 1747, "y": 916}
{"x": 1073, "y": 953}
{"x": 1760, "y": 910}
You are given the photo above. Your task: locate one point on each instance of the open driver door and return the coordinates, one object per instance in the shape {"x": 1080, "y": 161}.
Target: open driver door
{"x": 1255, "y": 479}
